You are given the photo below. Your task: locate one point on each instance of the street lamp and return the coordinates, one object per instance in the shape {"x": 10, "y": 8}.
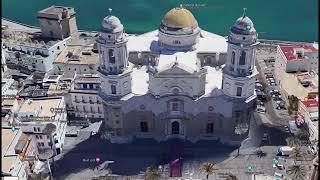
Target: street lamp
{"x": 241, "y": 129}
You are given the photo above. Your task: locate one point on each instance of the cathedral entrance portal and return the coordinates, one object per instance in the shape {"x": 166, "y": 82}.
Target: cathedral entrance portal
{"x": 175, "y": 126}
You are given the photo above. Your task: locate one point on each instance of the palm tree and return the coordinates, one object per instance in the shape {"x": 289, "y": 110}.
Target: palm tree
{"x": 232, "y": 177}
{"x": 292, "y": 141}
{"x": 260, "y": 153}
{"x": 208, "y": 168}
{"x": 296, "y": 172}
{"x": 152, "y": 173}
{"x": 296, "y": 153}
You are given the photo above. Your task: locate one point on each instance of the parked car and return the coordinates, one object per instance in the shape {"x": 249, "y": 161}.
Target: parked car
{"x": 272, "y": 84}
{"x": 277, "y": 98}
{"x": 260, "y": 103}
{"x": 313, "y": 150}
{"x": 261, "y": 109}
{"x": 274, "y": 91}
{"x": 269, "y": 75}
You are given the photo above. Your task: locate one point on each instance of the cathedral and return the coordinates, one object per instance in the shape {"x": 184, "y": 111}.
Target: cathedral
{"x": 178, "y": 81}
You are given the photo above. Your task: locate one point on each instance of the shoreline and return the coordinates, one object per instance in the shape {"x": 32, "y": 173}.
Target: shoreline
{"x": 34, "y": 28}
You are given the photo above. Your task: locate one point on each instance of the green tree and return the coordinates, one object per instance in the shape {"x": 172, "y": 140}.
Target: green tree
{"x": 296, "y": 153}
{"x": 208, "y": 168}
{"x": 260, "y": 153}
{"x": 296, "y": 172}
{"x": 292, "y": 141}
{"x": 152, "y": 173}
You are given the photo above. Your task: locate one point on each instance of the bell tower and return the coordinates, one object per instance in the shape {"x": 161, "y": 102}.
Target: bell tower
{"x": 114, "y": 68}
{"x": 239, "y": 73}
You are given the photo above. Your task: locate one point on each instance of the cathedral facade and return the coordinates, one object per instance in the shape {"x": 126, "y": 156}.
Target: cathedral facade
{"x": 178, "y": 81}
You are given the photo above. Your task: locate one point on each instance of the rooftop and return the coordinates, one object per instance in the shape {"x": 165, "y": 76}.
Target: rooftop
{"x": 33, "y": 105}
{"x": 57, "y": 12}
{"x": 7, "y": 140}
{"x": 290, "y": 51}
{"x": 311, "y": 103}
{"x": 78, "y": 54}
{"x": 32, "y": 39}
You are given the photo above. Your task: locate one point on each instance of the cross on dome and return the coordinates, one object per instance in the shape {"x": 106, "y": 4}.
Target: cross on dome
{"x": 110, "y": 11}
{"x": 244, "y": 12}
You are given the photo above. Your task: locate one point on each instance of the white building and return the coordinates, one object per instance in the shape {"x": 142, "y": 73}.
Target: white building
{"x": 86, "y": 103}
{"x": 34, "y": 117}
{"x": 76, "y": 59}
{"x": 308, "y": 112}
{"x": 11, "y": 165}
{"x": 31, "y": 50}
{"x": 295, "y": 58}
{"x": 3, "y": 59}
{"x": 168, "y": 83}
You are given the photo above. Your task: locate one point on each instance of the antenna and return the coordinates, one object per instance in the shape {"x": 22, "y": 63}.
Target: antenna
{"x": 244, "y": 12}
{"x": 110, "y": 11}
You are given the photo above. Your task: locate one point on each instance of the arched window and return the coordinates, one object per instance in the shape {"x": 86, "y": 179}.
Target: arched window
{"x": 233, "y": 57}
{"x": 113, "y": 89}
{"x": 112, "y": 59}
{"x": 242, "y": 58}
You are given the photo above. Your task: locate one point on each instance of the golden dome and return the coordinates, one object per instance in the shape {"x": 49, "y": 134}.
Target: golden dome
{"x": 179, "y": 18}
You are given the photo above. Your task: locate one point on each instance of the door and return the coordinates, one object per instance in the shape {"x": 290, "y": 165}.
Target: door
{"x": 175, "y": 127}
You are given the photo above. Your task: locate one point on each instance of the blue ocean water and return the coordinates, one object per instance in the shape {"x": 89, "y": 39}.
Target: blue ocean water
{"x": 294, "y": 20}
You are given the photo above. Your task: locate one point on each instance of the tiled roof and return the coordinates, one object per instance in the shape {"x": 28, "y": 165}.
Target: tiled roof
{"x": 288, "y": 51}
{"x": 311, "y": 103}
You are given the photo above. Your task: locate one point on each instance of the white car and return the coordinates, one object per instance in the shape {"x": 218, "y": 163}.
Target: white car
{"x": 274, "y": 91}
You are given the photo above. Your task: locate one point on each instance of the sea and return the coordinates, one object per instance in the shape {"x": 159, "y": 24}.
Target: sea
{"x": 292, "y": 20}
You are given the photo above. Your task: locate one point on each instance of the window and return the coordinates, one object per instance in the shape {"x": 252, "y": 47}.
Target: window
{"x": 242, "y": 58}
{"x": 42, "y": 62}
{"x": 42, "y": 144}
{"x": 239, "y": 91}
{"x": 38, "y": 144}
{"x": 210, "y": 127}
{"x": 48, "y": 137}
{"x": 233, "y": 57}
{"x": 58, "y": 47}
{"x": 91, "y": 86}
{"x": 175, "y": 106}
{"x": 34, "y": 129}
{"x": 56, "y": 141}
{"x": 37, "y": 137}
{"x": 176, "y": 42}
{"x": 38, "y": 129}
{"x": 113, "y": 89}
{"x": 49, "y": 144}
{"x": 40, "y": 136}
{"x": 144, "y": 126}
{"x": 51, "y": 33}
{"x": 84, "y": 70}
{"x": 111, "y": 56}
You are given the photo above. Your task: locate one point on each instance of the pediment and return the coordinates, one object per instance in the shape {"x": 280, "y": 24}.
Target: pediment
{"x": 177, "y": 69}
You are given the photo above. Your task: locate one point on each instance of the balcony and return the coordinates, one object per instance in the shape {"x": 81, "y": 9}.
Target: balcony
{"x": 83, "y": 101}
{"x": 91, "y": 102}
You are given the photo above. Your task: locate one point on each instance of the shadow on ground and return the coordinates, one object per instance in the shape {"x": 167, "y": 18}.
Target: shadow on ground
{"x": 131, "y": 159}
